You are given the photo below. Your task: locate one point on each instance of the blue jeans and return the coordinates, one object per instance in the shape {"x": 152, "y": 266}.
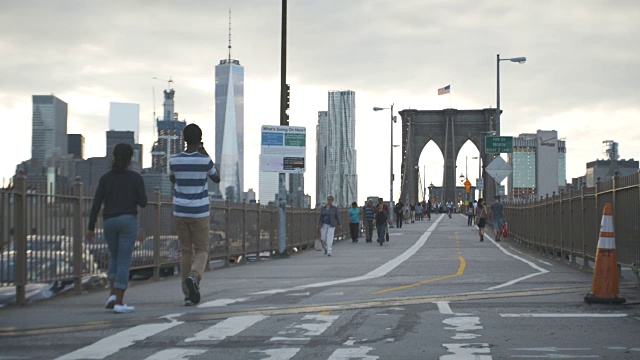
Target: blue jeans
{"x": 382, "y": 231}
{"x": 121, "y": 233}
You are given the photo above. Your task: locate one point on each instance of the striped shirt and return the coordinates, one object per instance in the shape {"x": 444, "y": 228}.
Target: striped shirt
{"x": 368, "y": 212}
{"x": 191, "y": 197}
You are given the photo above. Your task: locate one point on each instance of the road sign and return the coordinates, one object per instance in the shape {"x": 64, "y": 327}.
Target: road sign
{"x": 480, "y": 184}
{"x": 283, "y": 149}
{"x": 467, "y": 185}
{"x": 501, "y": 191}
{"x": 498, "y": 169}
{"x": 498, "y": 144}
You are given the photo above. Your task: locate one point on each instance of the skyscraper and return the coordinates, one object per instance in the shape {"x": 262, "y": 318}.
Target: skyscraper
{"x": 321, "y": 157}
{"x": 539, "y": 165}
{"x": 229, "y": 99}
{"x": 125, "y": 117}
{"x": 341, "y": 177}
{"x": 49, "y": 129}
{"x": 170, "y": 139}
{"x": 75, "y": 145}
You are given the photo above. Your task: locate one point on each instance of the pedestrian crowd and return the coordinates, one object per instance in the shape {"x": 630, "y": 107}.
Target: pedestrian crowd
{"x": 121, "y": 191}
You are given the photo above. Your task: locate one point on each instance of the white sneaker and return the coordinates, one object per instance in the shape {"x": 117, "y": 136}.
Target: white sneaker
{"x": 121, "y": 309}
{"x": 111, "y": 302}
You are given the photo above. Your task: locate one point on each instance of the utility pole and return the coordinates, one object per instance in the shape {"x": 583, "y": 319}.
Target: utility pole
{"x": 284, "y": 121}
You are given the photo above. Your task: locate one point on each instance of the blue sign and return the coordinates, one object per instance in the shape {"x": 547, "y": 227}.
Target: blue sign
{"x": 272, "y": 139}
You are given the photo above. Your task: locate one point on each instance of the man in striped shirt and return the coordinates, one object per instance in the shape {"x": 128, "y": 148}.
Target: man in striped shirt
{"x": 189, "y": 172}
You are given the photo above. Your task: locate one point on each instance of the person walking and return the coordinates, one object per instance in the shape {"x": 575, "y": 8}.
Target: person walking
{"x": 429, "y": 209}
{"x": 189, "y": 171}
{"x": 497, "y": 214}
{"x": 122, "y": 191}
{"x": 419, "y": 211}
{"x": 399, "y": 211}
{"x": 412, "y": 212}
{"x": 368, "y": 216}
{"x": 381, "y": 224}
{"x": 481, "y": 215}
{"x": 469, "y": 215}
{"x": 327, "y": 224}
{"x": 354, "y": 221}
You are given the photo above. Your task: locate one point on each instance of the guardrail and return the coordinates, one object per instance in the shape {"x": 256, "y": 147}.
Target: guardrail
{"x": 42, "y": 237}
{"x": 567, "y": 224}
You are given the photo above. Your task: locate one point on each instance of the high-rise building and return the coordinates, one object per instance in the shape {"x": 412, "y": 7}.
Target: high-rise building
{"x": 341, "y": 176}
{"x": 539, "y": 165}
{"x": 229, "y": 102}
{"x": 170, "y": 138}
{"x": 125, "y": 117}
{"x": 321, "y": 157}
{"x": 49, "y": 129}
{"x": 269, "y": 187}
{"x": 75, "y": 145}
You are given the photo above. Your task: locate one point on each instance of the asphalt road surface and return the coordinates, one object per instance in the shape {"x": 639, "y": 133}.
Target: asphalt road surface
{"x": 432, "y": 292}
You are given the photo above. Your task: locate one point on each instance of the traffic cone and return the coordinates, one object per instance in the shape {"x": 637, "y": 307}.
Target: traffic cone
{"x": 604, "y": 288}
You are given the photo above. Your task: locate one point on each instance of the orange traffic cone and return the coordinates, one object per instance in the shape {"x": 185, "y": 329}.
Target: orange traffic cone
{"x": 604, "y": 288}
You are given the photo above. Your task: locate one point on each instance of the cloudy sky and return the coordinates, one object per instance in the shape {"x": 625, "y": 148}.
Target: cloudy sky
{"x": 581, "y": 77}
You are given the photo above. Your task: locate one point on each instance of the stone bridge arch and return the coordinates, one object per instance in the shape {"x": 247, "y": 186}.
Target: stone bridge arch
{"x": 449, "y": 129}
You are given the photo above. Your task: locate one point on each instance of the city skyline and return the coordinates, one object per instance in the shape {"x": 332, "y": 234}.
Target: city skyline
{"x": 579, "y": 79}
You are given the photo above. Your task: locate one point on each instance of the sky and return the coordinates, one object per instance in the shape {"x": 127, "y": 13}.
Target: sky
{"x": 581, "y": 77}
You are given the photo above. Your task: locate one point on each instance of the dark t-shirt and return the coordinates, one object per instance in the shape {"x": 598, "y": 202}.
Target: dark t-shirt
{"x": 381, "y": 217}
{"x": 496, "y": 209}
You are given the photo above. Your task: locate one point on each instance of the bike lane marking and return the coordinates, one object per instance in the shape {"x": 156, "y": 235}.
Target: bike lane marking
{"x": 382, "y": 270}
{"x": 461, "y": 268}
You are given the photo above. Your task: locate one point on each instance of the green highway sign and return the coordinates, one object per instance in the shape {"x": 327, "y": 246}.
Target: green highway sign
{"x": 498, "y": 144}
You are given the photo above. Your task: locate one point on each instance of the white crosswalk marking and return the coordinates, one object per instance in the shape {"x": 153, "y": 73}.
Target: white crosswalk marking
{"x": 176, "y": 354}
{"x": 312, "y": 325}
{"x": 229, "y": 327}
{"x": 355, "y": 353}
{"x": 278, "y": 354}
{"x": 467, "y": 351}
{"x": 221, "y": 302}
{"x": 114, "y": 343}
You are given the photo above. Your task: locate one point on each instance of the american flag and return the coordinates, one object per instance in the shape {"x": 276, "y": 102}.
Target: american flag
{"x": 444, "y": 90}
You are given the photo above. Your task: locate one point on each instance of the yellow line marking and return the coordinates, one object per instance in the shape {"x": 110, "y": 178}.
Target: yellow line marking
{"x": 463, "y": 265}
{"x": 325, "y": 312}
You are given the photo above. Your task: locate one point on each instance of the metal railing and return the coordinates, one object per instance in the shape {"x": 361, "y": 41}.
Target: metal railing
{"x": 567, "y": 224}
{"x": 42, "y": 237}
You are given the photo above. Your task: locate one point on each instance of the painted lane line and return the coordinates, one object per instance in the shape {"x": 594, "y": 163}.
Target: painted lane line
{"x": 461, "y": 268}
{"x": 114, "y": 343}
{"x": 551, "y": 349}
{"x": 541, "y": 271}
{"x": 382, "y": 270}
{"x": 562, "y": 315}
{"x": 278, "y": 354}
{"x": 463, "y": 323}
{"x": 529, "y": 256}
{"x": 229, "y": 327}
{"x": 221, "y": 302}
{"x": 555, "y": 356}
{"x": 478, "y": 351}
{"x": 176, "y": 354}
{"x": 300, "y": 294}
{"x": 310, "y": 325}
{"x": 465, "y": 336}
{"x": 361, "y": 352}
{"x": 444, "y": 308}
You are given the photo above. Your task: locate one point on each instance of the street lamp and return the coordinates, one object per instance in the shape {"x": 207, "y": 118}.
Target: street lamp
{"x": 393, "y": 119}
{"x": 520, "y": 60}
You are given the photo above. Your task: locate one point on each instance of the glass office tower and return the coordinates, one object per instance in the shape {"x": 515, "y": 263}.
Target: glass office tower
{"x": 229, "y": 156}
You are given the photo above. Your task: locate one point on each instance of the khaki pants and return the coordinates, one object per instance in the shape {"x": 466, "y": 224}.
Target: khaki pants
{"x": 193, "y": 234}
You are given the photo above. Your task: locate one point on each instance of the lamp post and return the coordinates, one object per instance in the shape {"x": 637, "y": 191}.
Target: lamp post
{"x": 520, "y": 60}
{"x": 393, "y": 119}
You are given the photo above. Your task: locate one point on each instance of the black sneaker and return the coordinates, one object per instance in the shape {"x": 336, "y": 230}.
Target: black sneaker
{"x": 188, "y": 302}
{"x": 193, "y": 285}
